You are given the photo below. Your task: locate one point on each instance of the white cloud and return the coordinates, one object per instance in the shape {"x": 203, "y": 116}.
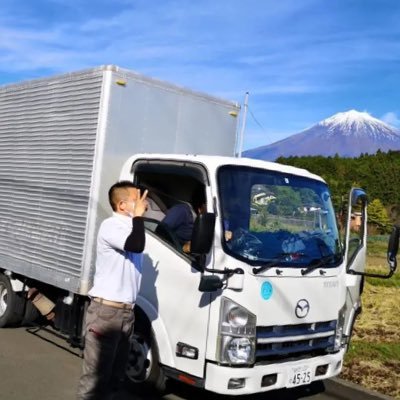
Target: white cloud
{"x": 391, "y": 118}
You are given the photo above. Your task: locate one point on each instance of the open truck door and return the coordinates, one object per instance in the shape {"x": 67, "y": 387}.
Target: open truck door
{"x": 355, "y": 256}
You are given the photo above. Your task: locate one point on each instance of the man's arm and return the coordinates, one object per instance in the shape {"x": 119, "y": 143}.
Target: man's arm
{"x": 136, "y": 240}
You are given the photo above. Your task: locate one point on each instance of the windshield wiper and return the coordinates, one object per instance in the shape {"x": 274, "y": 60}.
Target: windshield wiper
{"x": 266, "y": 267}
{"x": 274, "y": 262}
{"x": 317, "y": 263}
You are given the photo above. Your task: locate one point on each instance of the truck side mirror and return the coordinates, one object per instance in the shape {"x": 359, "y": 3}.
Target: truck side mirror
{"x": 203, "y": 234}
{"x": 393, "y": 248}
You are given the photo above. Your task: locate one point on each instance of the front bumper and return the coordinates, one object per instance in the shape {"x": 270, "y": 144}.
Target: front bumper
{"x": 217, "y": 377}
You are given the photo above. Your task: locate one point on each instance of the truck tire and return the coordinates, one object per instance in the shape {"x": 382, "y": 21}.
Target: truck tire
{"x": 11, "y": 304}
{"x": 143, "y": 367}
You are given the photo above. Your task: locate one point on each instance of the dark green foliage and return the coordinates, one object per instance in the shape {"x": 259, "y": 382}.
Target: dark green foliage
{"x": 378, "y": 174}
{"x": 378, "y": 216}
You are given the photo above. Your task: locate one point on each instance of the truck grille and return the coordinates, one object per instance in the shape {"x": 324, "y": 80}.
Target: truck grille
{"x": 285, "y": 341}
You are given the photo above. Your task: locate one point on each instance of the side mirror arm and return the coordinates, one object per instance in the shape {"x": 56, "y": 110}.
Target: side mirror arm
{"x": 371, "y": 275}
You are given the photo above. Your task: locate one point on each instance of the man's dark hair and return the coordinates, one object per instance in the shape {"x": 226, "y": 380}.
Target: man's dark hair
{"x": 117, "y": 191}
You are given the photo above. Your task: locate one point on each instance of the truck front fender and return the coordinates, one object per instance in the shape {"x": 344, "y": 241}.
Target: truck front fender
{"x": 165, "y": 352}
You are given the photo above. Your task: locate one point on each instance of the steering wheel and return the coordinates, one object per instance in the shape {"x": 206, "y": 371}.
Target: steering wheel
{"x": 245, "y": 242}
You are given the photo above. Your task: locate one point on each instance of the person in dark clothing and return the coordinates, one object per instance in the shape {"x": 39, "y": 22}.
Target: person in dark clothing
{"x": 180, "y": 219}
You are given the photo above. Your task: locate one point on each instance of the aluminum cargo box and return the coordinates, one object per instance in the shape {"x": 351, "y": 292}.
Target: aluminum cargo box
{"x": 63, "y": 141}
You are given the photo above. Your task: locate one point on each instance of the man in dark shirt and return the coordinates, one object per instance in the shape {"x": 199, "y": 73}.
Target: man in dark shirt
{"x": 180, "y": 219}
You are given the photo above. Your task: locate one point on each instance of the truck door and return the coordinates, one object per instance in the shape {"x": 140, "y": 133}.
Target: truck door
{"x": 170, "y": 283}
{"x": 170, "y": 278}
{"x": 355, "y": 254}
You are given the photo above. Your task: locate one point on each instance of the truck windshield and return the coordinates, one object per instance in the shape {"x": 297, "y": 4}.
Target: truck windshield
{"x": 270, "y": 217}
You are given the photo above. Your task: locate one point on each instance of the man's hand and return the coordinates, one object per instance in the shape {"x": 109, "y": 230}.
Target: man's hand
{"x": 228, "y": 235}
{"x": 186, "y": 247}
{"x": 140, "y": 204}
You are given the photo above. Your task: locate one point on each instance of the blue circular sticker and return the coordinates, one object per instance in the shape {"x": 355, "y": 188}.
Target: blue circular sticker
{"x": 266, "y": 290}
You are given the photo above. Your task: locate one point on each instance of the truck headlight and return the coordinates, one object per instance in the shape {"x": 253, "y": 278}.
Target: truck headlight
{"x": 237, "y": 334}
{"x": 238, "y": 316}
{"x": 338, "y": 341}
{"x": 239, "y": 350}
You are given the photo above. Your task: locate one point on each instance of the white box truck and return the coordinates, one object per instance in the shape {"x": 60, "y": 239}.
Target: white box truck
{"x": 267, "y": 296}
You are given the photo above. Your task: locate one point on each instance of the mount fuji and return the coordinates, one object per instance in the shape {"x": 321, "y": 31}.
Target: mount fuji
{"x": 347, "y": 134}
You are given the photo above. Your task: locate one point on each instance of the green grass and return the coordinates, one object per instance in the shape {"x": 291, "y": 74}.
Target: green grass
{"x": 394, "y": 281}
{"x": 373, "y": 351}
{"x": 376, "y": 260}
{"x": 377, "y": 247}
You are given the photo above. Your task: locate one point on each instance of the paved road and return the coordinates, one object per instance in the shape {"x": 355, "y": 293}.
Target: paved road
{"x": 36, "y": 365}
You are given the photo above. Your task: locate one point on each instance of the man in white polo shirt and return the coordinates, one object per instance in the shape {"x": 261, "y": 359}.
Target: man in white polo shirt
{"x": 109, "y": 318}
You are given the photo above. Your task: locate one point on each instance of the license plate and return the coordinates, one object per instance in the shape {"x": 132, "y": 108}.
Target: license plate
{"x": 300, "y": 375}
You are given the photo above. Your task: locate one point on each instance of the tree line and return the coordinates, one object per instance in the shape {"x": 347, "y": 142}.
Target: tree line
{"x": 378, "y": 174}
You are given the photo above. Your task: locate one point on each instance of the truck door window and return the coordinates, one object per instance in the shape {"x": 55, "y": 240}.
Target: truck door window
{"x": 175, "y": 187}
{"x": 161, "y": 230}
{"x": 356, "y": 229}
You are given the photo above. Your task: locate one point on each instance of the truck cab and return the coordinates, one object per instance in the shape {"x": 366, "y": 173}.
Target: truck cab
{"x": 271, "y": 302}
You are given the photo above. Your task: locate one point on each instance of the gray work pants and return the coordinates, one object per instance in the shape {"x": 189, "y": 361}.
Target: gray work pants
{"x": 108, "y": 331}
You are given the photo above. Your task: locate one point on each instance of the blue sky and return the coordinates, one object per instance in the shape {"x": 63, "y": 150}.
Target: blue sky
{"x": 301, "y": 60}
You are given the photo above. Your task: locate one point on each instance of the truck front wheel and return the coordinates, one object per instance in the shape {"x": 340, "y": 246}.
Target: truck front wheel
{"x": 143, "y": 364}
{"x": 11, "y": 304}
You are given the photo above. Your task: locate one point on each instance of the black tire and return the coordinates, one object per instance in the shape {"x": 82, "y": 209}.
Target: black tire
{"x": 143, "y": 367}
{"x": 11, "y": 304}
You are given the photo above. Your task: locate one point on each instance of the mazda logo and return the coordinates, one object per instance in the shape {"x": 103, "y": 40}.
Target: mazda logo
{"x": 302, "y": 308}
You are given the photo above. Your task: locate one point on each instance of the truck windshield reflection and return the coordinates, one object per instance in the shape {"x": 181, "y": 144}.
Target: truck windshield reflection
{"x": 278, "y": 218}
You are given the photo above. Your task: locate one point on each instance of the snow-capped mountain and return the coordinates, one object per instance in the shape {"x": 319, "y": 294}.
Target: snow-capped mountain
{"x": 347, "y": 134}
{"x": 359, "y": 124}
